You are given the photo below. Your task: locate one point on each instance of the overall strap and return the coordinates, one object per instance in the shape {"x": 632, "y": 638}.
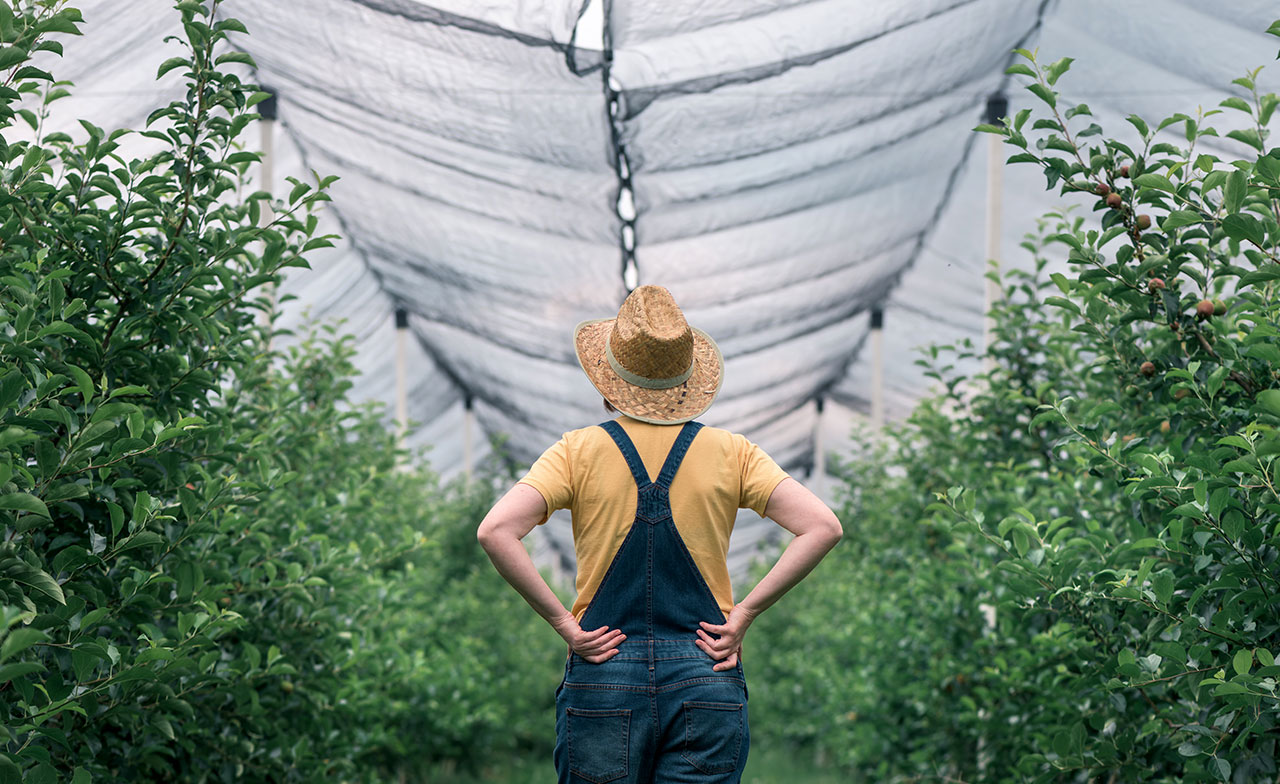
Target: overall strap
{"x": 629, "y": 452}
{"x": 668, "y": 473}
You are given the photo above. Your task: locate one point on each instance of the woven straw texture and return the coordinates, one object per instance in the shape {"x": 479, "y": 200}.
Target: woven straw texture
{"x": 651, "y": 338}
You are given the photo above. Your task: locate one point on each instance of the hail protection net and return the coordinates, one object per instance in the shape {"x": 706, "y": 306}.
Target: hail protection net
{"x": 784, "y": 167}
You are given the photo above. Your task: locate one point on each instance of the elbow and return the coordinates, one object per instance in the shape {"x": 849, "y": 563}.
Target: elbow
{"x": 832, "y": 531}
{"x": 487, "y": 535}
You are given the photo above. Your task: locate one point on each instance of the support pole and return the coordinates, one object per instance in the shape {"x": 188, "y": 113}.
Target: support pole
{"x": 468, "y": 427}
{"x": 402, "y": 373}
{"x": 268, "y": 109}
{"x": 819, "y": 451}
{"x": 997, "y": 109}
{"x": 877, "y": 370}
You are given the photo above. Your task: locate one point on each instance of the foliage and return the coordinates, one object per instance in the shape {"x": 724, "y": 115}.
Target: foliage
{"x": 211, "y": 567}
{"x": 1107, "y": 488}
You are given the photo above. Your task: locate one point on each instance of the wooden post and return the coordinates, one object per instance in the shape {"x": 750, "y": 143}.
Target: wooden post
{"x": 997, "y": 108}
{"x": 877, "y": 369}
{"x": 269, "y": 110}
{"x": 468, "y": 425}
{"x": 402, "y": 373}
{"x": 819, "y": 451}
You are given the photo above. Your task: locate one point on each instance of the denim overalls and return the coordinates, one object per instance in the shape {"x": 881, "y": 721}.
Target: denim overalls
{"x": 655, "y": 712}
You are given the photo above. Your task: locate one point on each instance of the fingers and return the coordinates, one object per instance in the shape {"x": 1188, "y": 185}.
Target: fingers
{"x": 727, "y": 664}
{"x": 596, "y": 643}
{"x": 717, "y": 650}
{"x": 601, "y": 657}
{"x": 715, "y": 628}
{"x": 588, "y": 636}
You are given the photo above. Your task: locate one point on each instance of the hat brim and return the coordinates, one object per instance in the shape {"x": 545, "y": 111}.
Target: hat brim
{"x": 670, "y": 406}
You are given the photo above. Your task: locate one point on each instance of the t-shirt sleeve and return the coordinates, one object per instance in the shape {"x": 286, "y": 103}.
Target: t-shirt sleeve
{"x": 760, "y": 475}
{"x": 550, "y": 475}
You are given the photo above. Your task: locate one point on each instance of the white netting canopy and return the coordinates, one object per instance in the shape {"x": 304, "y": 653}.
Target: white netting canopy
{"x": 784, "y": 167}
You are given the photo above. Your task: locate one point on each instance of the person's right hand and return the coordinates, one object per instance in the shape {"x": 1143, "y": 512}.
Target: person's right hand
{"x": 596, "y": 646}
{"x": 728, "y": 648}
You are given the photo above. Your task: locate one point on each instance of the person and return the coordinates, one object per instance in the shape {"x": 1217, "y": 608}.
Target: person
{"x": 654, "y": 688}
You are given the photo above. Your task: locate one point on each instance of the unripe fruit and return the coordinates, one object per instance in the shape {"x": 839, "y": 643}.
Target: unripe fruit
{"x": 1114, "y": 201}
{"x": 1144, "y": 222}
{"x": 225, "y": 601}
{"x": 1181, "y": 393}
{"x": 1155, "y": 284}
{"x": 1147, "y": 368}
{"x": 1103, "y": 189}
{"x": 1204, "y": 309}
{"x": 1219, "y": 307}
{"x": 1124, "y": 171}
{"x": 1126, "y": 438}
{"x": 1131, "y": 390}
{"x": 287, "y": 686}
{"x": 1164, "y": 427}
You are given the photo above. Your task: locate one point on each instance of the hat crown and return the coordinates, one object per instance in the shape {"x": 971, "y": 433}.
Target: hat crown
{"x": 650, "y": 337}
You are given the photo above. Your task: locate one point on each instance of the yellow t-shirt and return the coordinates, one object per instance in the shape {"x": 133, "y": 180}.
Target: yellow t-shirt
{"x": 586, "y": 473}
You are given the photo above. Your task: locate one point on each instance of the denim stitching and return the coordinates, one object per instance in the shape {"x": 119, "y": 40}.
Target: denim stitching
{"x": 706, "y": 766}
{"x": 626, "y": 744}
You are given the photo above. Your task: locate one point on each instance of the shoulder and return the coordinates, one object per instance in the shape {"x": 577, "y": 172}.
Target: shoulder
{"x": 727, "y": 439}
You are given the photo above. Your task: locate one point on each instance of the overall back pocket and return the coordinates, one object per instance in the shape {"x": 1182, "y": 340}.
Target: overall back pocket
{"x": 712, "y": 735}
{"x": 598, "y": 742}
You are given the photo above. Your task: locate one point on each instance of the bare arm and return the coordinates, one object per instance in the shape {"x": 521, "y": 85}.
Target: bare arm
{"x": 817, "y": 530}
{"x": 509, "y": 521}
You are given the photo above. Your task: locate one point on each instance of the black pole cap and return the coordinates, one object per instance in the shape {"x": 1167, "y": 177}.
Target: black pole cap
{"x": 997, "y": 109}
{"x": 877, "y": 318}
{"x": 402, "y": 318}
{"x": 269, "y": 107}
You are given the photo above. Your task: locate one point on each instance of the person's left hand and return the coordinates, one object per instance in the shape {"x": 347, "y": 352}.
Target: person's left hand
{"x": 596, "y": 646}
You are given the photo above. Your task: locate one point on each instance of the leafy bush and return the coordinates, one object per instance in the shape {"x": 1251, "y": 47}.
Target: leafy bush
{"x": 211, "y": 567}
{"x": 1108, "y": 488}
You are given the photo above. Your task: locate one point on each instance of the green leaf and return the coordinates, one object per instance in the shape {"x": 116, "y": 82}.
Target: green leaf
{"x": 1234, "y": 191}
{"x": 170, "y": 64}
{"x": 61, "y": 23}
{"x": 83, "y": 382}
{"x": 23, "y": 502}
{"x": 1021, "y": 69}
{"x": 1242, "y": 662}
{"x": 16, "y": 670}
{"x": 55, "y": 328}
{"x": 235, "y": 57}
{"x": 140, "y": 539}
{"x": 1140, "y": 124}
{"x": 1179, "y": 218}
{"x": 42, "y": 774}
{"x": 1057, "y": 69}
{"x": 11, "y": 56}
{"x": 9, "y": 773}
{"x": 36, "y": 580}
{"x": 129, "y": 390}
{"x": 1238, "y": 103}
{"x": 81, "y": 776}
{"x": 1162, "y": 586}
{"x": 1044, "y": 94}
{"x": 1223, "y": 768}
{"x": 1157, "y": 181}
{"x": 1249, "y": 136}
{"x": 1244, "y": 228}
{"x": 19, "y": 640}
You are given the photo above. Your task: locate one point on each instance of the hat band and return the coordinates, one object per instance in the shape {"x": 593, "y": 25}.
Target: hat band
{"x": 641, "y": 381}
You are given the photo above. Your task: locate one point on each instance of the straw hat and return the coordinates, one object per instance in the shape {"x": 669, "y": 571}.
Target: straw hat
{"x": 648, "y": 362}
